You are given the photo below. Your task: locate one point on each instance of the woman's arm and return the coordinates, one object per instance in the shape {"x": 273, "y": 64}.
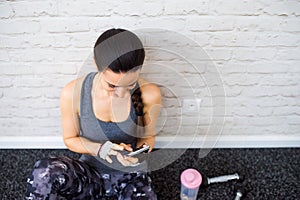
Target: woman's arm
{"x": 69, "y": 102}
{"x": 152, "y": 104}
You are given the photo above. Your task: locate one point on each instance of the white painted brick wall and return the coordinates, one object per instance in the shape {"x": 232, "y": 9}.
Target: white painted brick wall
{"x": 254, "y": 44}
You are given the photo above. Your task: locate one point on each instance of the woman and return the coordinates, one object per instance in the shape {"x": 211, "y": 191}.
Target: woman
{"x": 102, "y": 116}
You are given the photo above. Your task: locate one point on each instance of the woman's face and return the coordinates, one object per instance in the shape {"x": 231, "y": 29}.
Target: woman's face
{"x": 119, "y": 84}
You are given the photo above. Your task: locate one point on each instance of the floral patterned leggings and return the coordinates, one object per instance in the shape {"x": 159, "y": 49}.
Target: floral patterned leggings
{"x": 56, "y": 177}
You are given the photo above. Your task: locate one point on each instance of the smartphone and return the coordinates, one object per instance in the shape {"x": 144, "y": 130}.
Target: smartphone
{"x": 139, "y": 150}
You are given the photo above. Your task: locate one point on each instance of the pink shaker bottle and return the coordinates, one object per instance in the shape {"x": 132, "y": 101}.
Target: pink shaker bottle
{"x": 190, "y": 182}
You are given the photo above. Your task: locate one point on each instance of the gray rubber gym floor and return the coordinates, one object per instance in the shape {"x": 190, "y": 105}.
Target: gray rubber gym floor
{"x": 268, "y": 173}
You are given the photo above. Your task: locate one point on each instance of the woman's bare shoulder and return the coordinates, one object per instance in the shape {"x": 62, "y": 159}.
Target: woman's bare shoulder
{"x": 71, "y": 93}
{"x": 150, "y": 92}
{"x": 73, "y": 87}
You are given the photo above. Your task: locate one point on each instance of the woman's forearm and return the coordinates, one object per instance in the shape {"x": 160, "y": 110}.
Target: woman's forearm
{"x": 82, "y": 145}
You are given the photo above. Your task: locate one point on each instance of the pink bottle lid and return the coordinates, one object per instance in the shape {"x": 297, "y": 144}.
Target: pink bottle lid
{"x": 191, "y": 178}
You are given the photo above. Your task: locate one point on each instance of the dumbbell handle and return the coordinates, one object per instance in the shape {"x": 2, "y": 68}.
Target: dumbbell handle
{"x": 238, "y": 195}
{"x": 224, "y": 178}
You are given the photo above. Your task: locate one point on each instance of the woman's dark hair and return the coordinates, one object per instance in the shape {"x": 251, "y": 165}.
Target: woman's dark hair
{"x": 121, "y": 51}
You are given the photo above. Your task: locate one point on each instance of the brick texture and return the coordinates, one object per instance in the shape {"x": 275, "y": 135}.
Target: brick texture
{"x": 254, "y": 47}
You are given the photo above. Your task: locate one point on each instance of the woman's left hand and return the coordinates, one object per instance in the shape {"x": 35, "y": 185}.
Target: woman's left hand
{"x": 127, "y": 161}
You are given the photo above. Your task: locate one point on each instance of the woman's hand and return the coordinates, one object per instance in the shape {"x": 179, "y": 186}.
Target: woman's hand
{"x": 111, "y": 149}
{"x": 127, "y": 160}
{"x": 127, "y": 147}
{"x": 108, "y": 149}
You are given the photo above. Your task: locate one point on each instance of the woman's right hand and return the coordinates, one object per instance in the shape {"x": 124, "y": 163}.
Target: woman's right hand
{"x": 108, "y": 149}
{"x": 111, "y": 149}
{"x": 127, "y": 147}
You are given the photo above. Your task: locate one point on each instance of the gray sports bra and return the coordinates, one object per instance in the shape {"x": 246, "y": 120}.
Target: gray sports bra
{"x": 99, "y": 131}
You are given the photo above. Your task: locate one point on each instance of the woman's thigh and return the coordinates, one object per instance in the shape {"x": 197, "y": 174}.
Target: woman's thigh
{"x": 129, "y": 186}
{"x": 63, "y": 176}
{"x": 74, "y": 179}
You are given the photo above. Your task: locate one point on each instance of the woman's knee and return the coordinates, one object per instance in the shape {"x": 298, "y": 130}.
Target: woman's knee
{"x": 51, "y": 163}
{"x": 47, "y": 177}
{"x": 47, "y": 170}
{"x": 139, "y": 187}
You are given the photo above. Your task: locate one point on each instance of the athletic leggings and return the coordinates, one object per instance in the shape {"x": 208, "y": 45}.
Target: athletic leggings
{"x": 56, "y": 177}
